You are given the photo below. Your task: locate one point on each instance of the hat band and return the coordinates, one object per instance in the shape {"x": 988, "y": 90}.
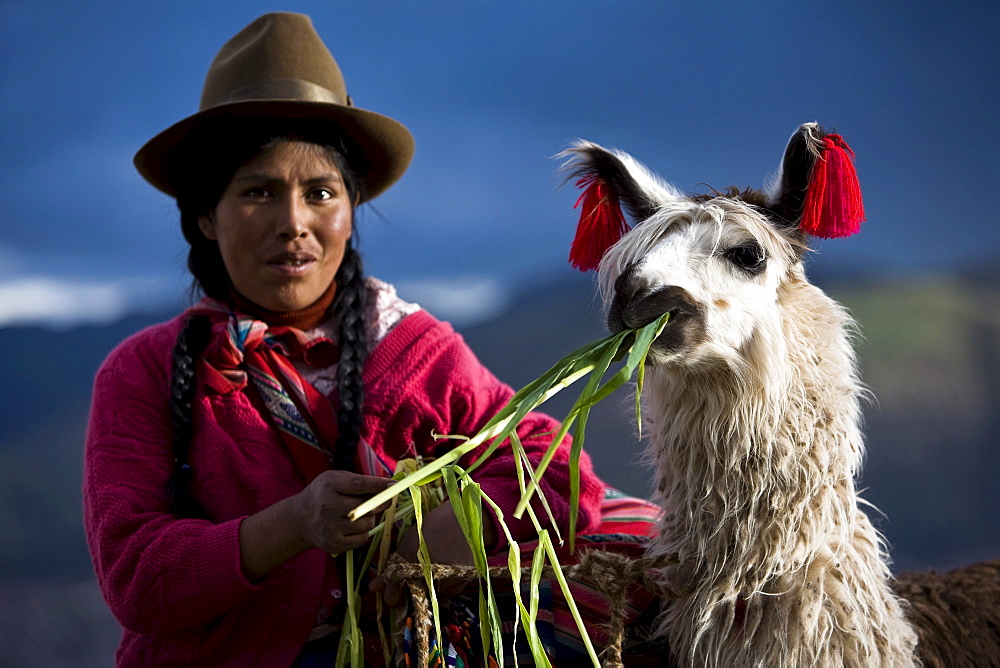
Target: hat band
{"x": 281, "y": 89}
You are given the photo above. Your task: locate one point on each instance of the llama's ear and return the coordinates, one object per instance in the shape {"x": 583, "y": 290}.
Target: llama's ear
{"x": 609, "y": 179}
{"x": 816, "y": 188}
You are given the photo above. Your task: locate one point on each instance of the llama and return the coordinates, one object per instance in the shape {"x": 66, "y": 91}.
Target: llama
{"x": 752, "y": 405}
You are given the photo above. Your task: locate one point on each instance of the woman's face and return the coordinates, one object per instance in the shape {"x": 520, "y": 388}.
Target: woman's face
{"x": 282, "y": 225}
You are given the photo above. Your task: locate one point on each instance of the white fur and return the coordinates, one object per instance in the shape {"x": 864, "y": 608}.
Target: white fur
{"x": 756, "y": 443}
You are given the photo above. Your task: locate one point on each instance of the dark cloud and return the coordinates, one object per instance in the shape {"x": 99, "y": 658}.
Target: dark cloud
{"x": 701, "y": 93}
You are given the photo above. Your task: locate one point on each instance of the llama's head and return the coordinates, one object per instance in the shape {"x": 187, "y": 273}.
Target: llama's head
{"x": 716, "y": 263}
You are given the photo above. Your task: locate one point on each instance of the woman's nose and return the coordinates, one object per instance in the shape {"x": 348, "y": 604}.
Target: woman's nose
{"x": 292, "y": 223}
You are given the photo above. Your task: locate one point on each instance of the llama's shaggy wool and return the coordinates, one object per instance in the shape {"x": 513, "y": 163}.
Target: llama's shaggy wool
{"x": 756, "y": 457}
{"x": 956, "y": 614}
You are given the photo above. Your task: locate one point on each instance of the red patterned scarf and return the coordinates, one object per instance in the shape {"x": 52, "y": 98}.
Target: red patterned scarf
{"x": 244, "y": 349}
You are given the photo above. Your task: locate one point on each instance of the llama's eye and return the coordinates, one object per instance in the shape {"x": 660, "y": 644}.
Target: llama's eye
{"x": 749, "y": 257}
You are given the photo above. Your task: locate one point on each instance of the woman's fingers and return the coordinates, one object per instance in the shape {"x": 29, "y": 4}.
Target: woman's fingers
{"x": 392, "y": 594}
{"x": 355, "y": 484}
{"x": 326, "y": 502}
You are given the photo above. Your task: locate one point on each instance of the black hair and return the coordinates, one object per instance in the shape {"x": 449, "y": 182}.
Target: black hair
{"x": 349, "y": 305}
{"x": 200, "y": 190}
{"x": 191, "y": 342}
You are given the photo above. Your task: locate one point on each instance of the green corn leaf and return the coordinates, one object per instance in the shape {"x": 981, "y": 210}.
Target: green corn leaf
{"x": 563, "y": 374}
{"x": 537, "y": 570}
{"x": 523, "y": 466}
{"x": 546, "y": 543}
{"x": 486, "y": 631}
{"x": 467, "y": 497}
{"x": 350, "y": 646}
{"x": 543, "y": 537}
{"x": 472, "y": 503}
{"x": 574, "y": 475}
{"x": 594, "y": 391}
{"x": 580, "y": 411}
{"x": 514, "y": 566}
{"x": 601, "y": 359}
{"x": 640, "y": 378}
{"x": 455, "y": 496}
{"x": 423, "y": 557}
{"x": 521, "y": 460}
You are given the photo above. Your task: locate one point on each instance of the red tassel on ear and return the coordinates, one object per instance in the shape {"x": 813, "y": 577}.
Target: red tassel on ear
{"x": 833, "y": 206}
{"x": 601, "y": 225}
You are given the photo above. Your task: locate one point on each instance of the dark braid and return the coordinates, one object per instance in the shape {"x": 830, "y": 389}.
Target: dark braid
{"x": 190, "y": 343}
{"x": 349, "y": 307}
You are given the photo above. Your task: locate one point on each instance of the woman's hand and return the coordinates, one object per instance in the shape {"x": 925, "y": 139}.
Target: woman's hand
{"x": 323, "y": 507}
{"x": 316, "y": 517}
{"x": 446, "y": 544}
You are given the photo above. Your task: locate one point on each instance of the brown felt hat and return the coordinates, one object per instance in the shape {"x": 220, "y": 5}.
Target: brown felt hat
{"x": 277, "y": 70}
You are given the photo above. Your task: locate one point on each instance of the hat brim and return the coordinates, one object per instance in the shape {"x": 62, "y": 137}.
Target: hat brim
{"x": 384, "y": 144}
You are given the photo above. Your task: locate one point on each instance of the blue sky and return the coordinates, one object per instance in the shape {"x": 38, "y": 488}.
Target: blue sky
{"x": 702, "y": 92}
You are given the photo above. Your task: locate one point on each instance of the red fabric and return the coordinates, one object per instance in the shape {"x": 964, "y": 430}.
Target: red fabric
{"x": 241, "y": 346}
{"x": 833, "y": 206}
{"x": 601, "y": 224}
{"x": 177, "y": 585}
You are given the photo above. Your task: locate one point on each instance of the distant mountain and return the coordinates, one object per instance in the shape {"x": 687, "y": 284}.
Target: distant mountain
{"x": 48, "y": 378}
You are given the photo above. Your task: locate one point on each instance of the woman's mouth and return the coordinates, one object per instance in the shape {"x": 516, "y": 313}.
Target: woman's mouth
{"x": 291, "y": 264}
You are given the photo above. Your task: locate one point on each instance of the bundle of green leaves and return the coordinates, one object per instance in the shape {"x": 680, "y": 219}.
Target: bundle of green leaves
{"x": 427, "y": 484}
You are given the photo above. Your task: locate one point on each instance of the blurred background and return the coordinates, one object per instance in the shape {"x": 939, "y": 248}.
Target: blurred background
{"x": 478, "y": 231}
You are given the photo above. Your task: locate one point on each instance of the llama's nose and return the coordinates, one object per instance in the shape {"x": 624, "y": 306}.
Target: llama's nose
{"x": 627, "y": 285}
{"x": 643, "y": 309}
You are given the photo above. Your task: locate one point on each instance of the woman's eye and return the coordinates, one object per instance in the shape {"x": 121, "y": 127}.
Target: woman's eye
{"x": 256, "y": 192}
{"x": 322, "y": 194}
{"x": 749, "y": 257}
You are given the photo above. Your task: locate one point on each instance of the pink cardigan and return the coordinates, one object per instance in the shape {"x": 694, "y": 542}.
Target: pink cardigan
{"x": 177, "y": 585}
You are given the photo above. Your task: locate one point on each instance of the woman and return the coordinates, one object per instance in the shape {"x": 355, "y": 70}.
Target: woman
{"x": 227, "y": 445}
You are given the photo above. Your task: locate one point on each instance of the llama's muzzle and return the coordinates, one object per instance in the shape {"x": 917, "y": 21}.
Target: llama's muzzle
{"x": 634, "y": 305}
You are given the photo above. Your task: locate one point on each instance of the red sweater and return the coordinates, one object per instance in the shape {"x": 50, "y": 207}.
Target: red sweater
{"x": 177, "y": 585}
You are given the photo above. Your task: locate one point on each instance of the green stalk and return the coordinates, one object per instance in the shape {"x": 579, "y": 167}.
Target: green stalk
{"x": 466, "y": 496}
{"x": 561, "y": 579}
{"x": 557, "y": 568}
{"x": 423, "y": 557}
{"x": 499, "y": 426}
{"x": 514, "y": 566}
{"x": 351, "y": 644}
{"x": 521, "y": 459}
{"x": 466, "y": 502}
{"x": 595, "y": 392}
{"x": 537, "y": 567}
